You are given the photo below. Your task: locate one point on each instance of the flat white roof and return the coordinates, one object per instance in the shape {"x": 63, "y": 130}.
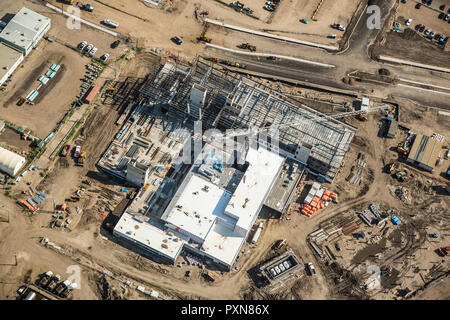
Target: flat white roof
{"x": 222, "y": 243}
{"x": 148, "y": 235}
{"x": 8, "y": 58}
{"x": 199, "y": 208}
{"x": 25, "y": 27}
{"x": 254, "y": 186}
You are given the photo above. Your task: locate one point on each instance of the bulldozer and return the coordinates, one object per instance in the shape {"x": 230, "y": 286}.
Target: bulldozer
{"x": 247, "y": 46}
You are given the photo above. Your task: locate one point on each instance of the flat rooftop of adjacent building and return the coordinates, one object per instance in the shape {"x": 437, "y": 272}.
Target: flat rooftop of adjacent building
{"x": 144, "y": 231}
{"x": 195, "y": 207}
{"x": 222, "y": 243}
{"x": 425, "y": 150}
{"x": 23, "y": 28}
{"x": 8, "y": 58}
{"x": 255, "y": 185}
{"x": 280, "y": 193}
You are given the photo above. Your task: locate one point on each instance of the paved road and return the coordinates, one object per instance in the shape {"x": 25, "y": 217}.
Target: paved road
{"x": 355, "y": 58}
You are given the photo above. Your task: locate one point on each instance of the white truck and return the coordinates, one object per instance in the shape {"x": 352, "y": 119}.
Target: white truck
{"x": 311, "y": 268}
{"x": 110, "y": 23}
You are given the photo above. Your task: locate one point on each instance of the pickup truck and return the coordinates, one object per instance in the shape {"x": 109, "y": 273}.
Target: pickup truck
{"x": 77, "y": 151}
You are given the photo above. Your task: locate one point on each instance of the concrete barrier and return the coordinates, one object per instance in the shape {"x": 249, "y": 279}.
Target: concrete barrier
{"x": 115, "y": 34}
{"x": 270, "y": 55}
{"x": 268, "y": 35}
{"x": 412, "y": 63}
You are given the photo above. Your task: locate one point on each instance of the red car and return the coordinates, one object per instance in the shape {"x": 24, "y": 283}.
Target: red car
{"x": 65, "y": 151}
{"x": 442, "y": 7}
{"x": 418, "y": 6}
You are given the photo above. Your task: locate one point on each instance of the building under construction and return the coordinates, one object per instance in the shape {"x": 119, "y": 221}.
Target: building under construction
{"x": 225, "y": 100}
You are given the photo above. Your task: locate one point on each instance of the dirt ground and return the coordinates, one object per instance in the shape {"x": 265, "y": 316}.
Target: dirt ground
{"x": 54, "y": 101}
{"x": 11, "y": 139}
{"x": 87, "y": 244}
{"x": 286, "y": 19}
{"x": 411, "y": 44}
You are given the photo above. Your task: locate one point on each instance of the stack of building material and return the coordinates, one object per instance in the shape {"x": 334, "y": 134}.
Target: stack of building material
{"x": 317, "y": 199}
{"x": 349, "y": 228}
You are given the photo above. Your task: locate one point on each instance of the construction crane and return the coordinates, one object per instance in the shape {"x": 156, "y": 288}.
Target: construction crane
{"x": 317, "y": 118}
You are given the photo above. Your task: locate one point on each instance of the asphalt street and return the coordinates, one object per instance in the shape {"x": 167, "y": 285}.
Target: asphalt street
{"x": 355, "y": 58}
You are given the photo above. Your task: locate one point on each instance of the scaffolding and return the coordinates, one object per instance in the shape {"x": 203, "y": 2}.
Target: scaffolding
{"x": 234, "y": 102}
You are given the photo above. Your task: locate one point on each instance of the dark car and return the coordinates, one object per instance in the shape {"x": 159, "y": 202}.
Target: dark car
{"x": 177, "y": 40}
{"x": 422, "y": 28}
{"x": 418, "y": 6}
{"x": 443, "y": 7}
{"x": 271, "y": 58}
{"x": 115, "y": 44}
{"x": 418, "y": 27}
{"x": 441, "y": 15}
{"x": 429, "y": 2}
{"x": 437, "y": 36}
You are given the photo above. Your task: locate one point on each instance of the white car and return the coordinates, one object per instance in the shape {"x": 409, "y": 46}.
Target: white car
{"x": 93, "y": 51}
{"x": 88, "y": 48}
{"x": 82, "y": 45}
{"x": 427, "y": 32}
{"x": 104, "y": 57}
{"x": 408, "y": 22}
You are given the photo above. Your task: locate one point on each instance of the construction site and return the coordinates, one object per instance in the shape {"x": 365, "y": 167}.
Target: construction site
{"x": 225, "y": 166}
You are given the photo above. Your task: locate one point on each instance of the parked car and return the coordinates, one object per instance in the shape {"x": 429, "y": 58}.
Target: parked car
{"x": 177, "y": 40}
{"x": 408, "y": 22}
{"x": 92, "y": 51}
{"x": 427, "y": 32}
{"x": 429, "y": 2}
{"x": 104, "y": 57}
{"x": 443, "y": 7}
{"x": 417, "y": 27}
{"x": 81, "y": 45}
{"x": 441, "y": 15}
{"x": 418, "y": 6}
{"x": 88, "y": 48}
{"x": 422, "y": 28}
{"x": 304, "y": 21}
{"x": 447, "y": 17}
{"x": 115, "y": 44}
{"x": 271, "y": 58}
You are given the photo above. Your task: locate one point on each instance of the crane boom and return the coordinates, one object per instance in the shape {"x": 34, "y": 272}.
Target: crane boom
{"x": 317, "y": 118}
